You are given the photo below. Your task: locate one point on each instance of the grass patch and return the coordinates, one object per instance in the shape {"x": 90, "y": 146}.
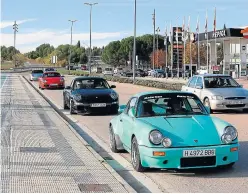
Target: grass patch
{"x": 7, "y": 65}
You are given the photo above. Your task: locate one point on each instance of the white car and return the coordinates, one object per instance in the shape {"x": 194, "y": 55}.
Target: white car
{"x": 219, "y": 92}
{"x": 118, "y": 70}
{"x": 108, "y": 71}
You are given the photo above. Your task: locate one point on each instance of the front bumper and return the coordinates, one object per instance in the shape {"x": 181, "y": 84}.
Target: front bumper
{"x": 50, "y": 86}
{"x": 174, "y": 159}
{"x": 34, "y": 78}
{"x": 229, "y": 104}
{"x": 86, "y": 107}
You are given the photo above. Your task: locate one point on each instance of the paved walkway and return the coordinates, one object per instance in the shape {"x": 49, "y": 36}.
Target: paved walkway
{"x": 40, "y": 152}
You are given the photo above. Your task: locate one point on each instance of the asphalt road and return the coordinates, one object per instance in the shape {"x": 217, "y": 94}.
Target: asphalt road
{"x": 208, "y": 181}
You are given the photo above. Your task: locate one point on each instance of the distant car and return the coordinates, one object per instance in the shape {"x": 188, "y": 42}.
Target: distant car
{"x": 35, "y": 75}
{"x": 49, "y": 69}
{"x": 108, "y": 71}
{"x": 140, "y": 73}
{"x": 219, "y": 92}
{"x": 158, "y": 73}
{"x": 51, "y": 80}
{"x": 90, "y": 95}
{"x": 172, "y": 130}
{"x": 118, "y": 70}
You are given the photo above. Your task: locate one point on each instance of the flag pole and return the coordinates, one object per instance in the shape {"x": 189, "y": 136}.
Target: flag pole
{"x": 190, "y": 47}
{"x": 198, "y": 24}
{"x": 166, "y": 52}
{"x": 184, "y": 45}
{"x": 171, "y": 36}
{"x": 177, "y": 51}
{"x": 215, "y": 37}
{"x": 206, "y": 34}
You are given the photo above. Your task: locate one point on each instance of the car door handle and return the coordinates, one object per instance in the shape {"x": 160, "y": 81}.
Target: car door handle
{"x": 120, "y": 120}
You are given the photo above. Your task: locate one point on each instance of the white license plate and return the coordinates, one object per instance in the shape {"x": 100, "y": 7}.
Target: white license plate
{"x": 98, "y": 105}
{"x": 236, "y": 102}
{"x": 198, "y": 153}
{"x": 53, "y": 84}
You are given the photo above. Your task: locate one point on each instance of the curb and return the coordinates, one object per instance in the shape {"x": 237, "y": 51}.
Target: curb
{"x": 69, "y": 122}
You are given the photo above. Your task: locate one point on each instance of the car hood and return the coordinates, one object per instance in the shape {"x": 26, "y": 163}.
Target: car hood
{"x": 229, "y": 92}
{"x": 37, "y": 74}
{"x": 198, "y": 130}
{"x": 87, "y": 92}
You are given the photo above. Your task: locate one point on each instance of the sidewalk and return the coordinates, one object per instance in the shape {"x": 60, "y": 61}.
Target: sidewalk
{"x": 40, "y": 153}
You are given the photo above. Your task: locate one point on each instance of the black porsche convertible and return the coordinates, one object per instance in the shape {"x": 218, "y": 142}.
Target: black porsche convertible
{"x": 90, "y": 95}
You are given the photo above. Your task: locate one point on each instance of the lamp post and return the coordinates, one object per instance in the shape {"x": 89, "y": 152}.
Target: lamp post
{"x": 72, "y": 22}
{"x": 15, "y": 28}
{"x": 90, "y": 4}
{"x": 134, "y": 41}
{"x": 158, "y": 30}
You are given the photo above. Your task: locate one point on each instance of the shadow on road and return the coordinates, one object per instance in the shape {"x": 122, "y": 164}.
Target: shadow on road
{"x": 230, "y": 112}
{"x": 240, "y": 169}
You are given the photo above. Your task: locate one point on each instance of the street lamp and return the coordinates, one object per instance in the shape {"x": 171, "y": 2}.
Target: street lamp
{"x": 158, "y": 30}
{"x": 72, "y": 21}
{"x": 90, "y": 4}
{"x": 134, "y": 42}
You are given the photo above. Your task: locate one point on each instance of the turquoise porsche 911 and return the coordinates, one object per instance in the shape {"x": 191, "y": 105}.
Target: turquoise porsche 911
{"x": 172, "y": 130}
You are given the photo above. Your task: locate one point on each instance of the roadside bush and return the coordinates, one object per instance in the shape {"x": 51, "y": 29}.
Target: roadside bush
{"x": 147, "y": 83}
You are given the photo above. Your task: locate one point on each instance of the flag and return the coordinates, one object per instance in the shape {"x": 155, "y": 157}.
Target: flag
{"x": 171, "y": 39}
{"x": 177, "y": 34}
{"x": 165, "y": 40}
{"x": 215, "y": 20}
{"x": 197, "y": 25}
{"x": 188, "y": 31}
{"x": 183, "y": 29}
{"x": 224, "y": 27}
{"x": 206, "y": 23}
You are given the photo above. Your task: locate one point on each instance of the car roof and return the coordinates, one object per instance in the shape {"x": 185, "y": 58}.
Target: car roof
{"x": 213, "y": 75}
{"x": 159, "y": 92}
{"x": 85, "y": 78}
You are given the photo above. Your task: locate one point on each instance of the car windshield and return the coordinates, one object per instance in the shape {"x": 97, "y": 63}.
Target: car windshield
{"x": 170, "y": 104}
{"x": 37, "y": 71}
{"x": 108, "y": 69}
{"x": 51, "y": 75}
{"x": 51, "y": 69}
{"x": 91, "y": 84}
{"x": 220, "y": 82}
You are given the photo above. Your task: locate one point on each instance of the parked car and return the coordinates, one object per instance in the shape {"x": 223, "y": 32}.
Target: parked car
{"x": 35, "y": 75}
{"x": 118, "y": 70}
{"x": 140, "y": 73}
{"x": 172, "y": 130}
{"x": 157, "y": 73}
{"x": 108, "y": 71}
{"x": 127, "y": 73}
{"x": 49, "y": 69}
{"x": 90, "y": 95}
{"x": 219, "y": 92}
{"x": 51, "y": 80}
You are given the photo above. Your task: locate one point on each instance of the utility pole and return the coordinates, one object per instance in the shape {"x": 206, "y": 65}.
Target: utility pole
{"x": 15, "y": 27}
{"x": 72, "y": 21}
{"x": 158, "y": 30}
{"x": 134, "y": 41}
{"x": 90, "y": 4}
{"x": 154, "y": 27}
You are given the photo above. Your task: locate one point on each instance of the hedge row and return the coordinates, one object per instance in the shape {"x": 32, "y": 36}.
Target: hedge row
{"x": 143, "y": 82}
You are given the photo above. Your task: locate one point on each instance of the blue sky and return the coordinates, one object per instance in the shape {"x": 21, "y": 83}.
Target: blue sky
{"x": 46, "y": 21}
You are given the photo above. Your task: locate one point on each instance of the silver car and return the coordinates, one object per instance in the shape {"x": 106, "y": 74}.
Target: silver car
{"x": 219, "y": 92}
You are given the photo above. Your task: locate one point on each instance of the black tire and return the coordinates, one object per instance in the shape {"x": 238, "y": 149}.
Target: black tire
{"x": 71, "y": 108}
{"x": 42, "y": 88}
{"x": 245, "y": 110}
{"x": 206, "y": 102}
{"x": 112, "y": 141}
{"x": 65, "y": 105}
{"x": 135, "y": 156}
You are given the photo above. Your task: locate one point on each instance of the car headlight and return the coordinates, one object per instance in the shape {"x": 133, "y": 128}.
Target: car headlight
{"x": 217, "y": 97}
{"x": 155, "y": 137}
{"x": 230, "y": 134}
{"x": 166, "y": 142}
{"x": 77, "y": 97}
{"x": 114, "y": 95}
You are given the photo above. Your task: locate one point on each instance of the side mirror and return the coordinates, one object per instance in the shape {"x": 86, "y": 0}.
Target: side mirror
{"x": 199, "y": 87}
{"x": 68, "y": 87}
{"x": 113, "y": 86}
{"x": 208, "y": 109}
{"x": 131, "y": 112}
{"x": 121, "y": 108}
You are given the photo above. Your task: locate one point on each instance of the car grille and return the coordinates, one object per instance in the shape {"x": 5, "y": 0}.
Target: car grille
{"x": 235, "y": 98}
{"x": 97, "y": 99}
{"x": 198, "y": 161}
{"x": 235, "y": 105}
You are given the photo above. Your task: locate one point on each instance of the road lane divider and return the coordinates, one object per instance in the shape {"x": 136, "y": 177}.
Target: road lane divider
{"x": 118, "y": 165}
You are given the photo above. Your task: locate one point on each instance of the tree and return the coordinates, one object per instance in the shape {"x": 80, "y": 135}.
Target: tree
{"x": 83, "y": 58}
{"x": 7, "y": 53}
{"x": 159, "y": 57}
{"x": 19, "y": 58}
{"x": 111, "y": 54}
{"x": 78, "y": 44}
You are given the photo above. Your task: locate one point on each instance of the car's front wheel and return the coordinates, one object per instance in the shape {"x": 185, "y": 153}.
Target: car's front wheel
{"x": 135, "y": 156}
{"x": 72, "y": 111}
{"x": 206, "y": 102}
{"x": 112, "y": 140}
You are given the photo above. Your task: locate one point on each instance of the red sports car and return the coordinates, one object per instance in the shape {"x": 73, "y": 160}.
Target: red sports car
{"x": 51, "y": 80}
